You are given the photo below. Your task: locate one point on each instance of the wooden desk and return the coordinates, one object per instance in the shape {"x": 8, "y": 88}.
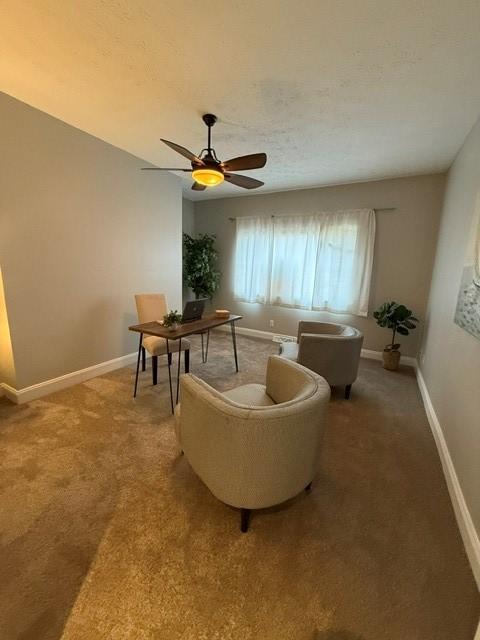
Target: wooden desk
{"x": 205, "y": 324}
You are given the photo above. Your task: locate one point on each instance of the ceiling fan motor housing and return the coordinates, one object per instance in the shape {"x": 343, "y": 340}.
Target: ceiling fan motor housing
{"x": 209, "y": 119}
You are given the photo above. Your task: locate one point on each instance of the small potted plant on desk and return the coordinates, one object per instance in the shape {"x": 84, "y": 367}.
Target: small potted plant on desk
{"x": 400, "y": 320}
{"x": 172, "y": 320}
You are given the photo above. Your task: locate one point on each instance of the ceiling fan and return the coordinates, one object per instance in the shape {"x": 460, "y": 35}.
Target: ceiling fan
{"x": 208, "y": 171}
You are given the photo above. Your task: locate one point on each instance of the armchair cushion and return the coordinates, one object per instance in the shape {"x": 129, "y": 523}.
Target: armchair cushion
{"x": 252, "y": 395}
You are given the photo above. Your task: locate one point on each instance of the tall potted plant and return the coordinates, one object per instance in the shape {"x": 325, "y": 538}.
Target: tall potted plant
{"x": 199, "y": 265}
{"x": 400, "y": 320}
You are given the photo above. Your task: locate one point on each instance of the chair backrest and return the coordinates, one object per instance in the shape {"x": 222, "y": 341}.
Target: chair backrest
{"x": 288, "y": 384}
{"x": 332, "y": 350}
{"x": 150, "y": 306}
{"x": 325, "y": 328}
{"x": 251, "y": 456}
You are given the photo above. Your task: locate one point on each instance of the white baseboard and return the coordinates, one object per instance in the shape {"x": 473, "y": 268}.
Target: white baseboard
{"x": 464, "y": 519}
{"x": 256, "y": 333}
{"x": 268, "y": 335}
{"x": 20, "y": 396}
{"x": 8, "y": 391}
{"x": 377, "y": 355}
{"x": 252, "y": 333}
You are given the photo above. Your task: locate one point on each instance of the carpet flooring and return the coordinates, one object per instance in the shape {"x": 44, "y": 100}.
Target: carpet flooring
{"x": 106, "y": 533}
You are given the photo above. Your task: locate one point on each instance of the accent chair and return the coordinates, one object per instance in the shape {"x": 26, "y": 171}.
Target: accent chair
{"x": 257, "y": 445}
{"x": 331, "y": 350}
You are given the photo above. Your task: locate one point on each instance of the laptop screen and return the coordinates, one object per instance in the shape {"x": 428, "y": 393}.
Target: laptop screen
{"x": 193, "y": 310}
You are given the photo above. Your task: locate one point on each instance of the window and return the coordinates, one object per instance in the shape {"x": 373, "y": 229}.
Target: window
{"x": 321, "y": 262}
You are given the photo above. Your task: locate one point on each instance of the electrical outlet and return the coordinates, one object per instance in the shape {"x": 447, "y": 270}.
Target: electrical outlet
{"x": 272, "y": 324}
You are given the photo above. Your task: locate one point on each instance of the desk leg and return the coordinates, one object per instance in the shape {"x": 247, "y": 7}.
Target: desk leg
{"x": 138, "y": 365}
{"x": 178, "y": 369}
{"x": 169, "y": 373}
{"x": 208, "y": 342}
{"x": 234, "y": 340}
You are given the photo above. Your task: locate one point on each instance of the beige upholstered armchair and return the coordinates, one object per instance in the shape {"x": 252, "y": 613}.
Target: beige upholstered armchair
{"x": 151, "y": 307}
{"x": 255, "y": 446}
{"x": 331, "y": 350}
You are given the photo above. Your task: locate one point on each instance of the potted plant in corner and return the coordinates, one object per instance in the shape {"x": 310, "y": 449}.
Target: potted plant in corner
{"x": 172, "y": 320}
{"x": 400, "y": 320}
{"x": 199, "y": 265}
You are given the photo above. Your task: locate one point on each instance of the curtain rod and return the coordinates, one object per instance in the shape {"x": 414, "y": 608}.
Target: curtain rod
{"x": 287, "y": 215}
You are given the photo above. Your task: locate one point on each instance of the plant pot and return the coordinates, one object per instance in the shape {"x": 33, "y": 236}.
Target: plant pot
{"x": 173, "y": 327}
{"x": 391, "y": 359}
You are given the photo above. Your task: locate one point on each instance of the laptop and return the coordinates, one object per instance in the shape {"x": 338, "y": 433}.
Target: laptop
{"x": 193, "y": 310}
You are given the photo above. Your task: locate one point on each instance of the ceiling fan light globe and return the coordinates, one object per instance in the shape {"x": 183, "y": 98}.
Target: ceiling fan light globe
{"x": 207, "y": 177}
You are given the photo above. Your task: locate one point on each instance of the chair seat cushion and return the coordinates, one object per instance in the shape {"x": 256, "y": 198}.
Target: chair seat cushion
{"x": 289, "y": 350}
{"x": 158, "y": 346}
{"x": 252, "y": 395}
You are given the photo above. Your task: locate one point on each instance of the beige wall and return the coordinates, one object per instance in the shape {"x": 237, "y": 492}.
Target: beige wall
{"x": 188, "y": 226}
{"x": 450, "y": 357}
{"x": 404, "y": 251}
{"x": 188, "y": 218}
{"x": 81, "y": 230}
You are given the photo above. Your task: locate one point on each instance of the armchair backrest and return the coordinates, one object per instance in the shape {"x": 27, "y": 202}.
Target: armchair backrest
{"x": 285, "y": 383}
{"x": 150, "y": 306}
{"x": 255, "y": 457}
{"x": 332, "y": 350}
{"x": 324, "y": 328}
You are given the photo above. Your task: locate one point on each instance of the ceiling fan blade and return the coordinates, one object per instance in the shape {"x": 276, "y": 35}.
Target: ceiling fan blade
{"x": 196, "y": 186}
{"x": 183, "y": 152}
{"x": 243, "y": 163}
{"x": 243, "y": 181}
{"x": 164, "y": 169}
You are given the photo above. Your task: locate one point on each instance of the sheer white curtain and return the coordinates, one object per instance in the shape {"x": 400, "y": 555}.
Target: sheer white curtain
{"x": 253, "y": 251}
{"x": 295, "y": 247}
{"x": 345, "y": 260}
{"x": 320, "y": 262}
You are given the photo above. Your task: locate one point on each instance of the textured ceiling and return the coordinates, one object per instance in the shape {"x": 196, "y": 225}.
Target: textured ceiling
{"x": 333, "y": 91}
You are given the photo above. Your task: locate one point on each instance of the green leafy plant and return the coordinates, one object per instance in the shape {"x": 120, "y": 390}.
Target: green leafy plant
{"x": 199, "y": 265}
{"x": 172, "y": 318}
{"x": 396, "y": 317}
